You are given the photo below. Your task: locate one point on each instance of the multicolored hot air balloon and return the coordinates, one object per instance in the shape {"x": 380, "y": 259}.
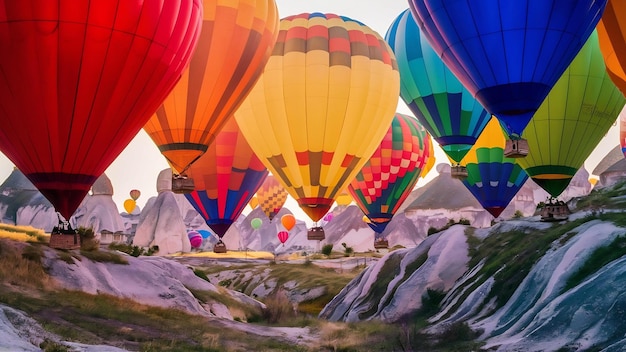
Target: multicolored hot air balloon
{"x": 226, "y": 177}
{"x": 437, "y": 98}
{"x": 570, "y": 123}
{"x": 97, "y": 70}
{"x": 195, "y": 238}
{"x": 236, "y": 40}
{"x": 272, "y": 196}
{"x": 508, "y": 54}
{"x": 134, "y": 194}
{"x": 492, "y": 178}
{"x": 389, "y": 176}
{"x": 612, "y": 36}
{"x": 325, "y": 99}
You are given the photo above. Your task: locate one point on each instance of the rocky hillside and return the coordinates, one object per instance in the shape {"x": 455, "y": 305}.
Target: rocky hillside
{"x": 522, "y": 285}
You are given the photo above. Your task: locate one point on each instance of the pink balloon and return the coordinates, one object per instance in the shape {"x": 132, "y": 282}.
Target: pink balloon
{"x": 283, "y": 236}
{"x": 328, "y": 217}
{"x": 195, "y": 238}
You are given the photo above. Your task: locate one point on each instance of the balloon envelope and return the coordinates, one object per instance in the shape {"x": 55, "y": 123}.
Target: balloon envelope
{"x": 195, "y": 239}
{"x": 577, "y": 113}
{"x": 611, "y": 33}
{"x": 97, "y": 70}
{"x": 225, "y": 177}
{"x": 272, "y": 196}
{"x": 325, "y": 99}
{"x": 344, "y": 198}
{"x": 508, "y": 54}
{"x": 205, "y": 233}
{"x": 256, "y": 223}
{"x": 129, "y": 205}
{"x": 492, "y": 178}
{"x": 622, "y": 131}
{"x": 288, "y": 221}
{"x": 442, "y": 105}
{"x": 236, "y": 40}
{"x": 391, "y": 173}
{"x": 134, "y": 194}
{"x": 283, "y": 236}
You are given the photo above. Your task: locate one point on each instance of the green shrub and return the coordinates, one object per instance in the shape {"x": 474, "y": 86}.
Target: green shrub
{"x": 132, "y": 250}
{"x": 327, "y": 249}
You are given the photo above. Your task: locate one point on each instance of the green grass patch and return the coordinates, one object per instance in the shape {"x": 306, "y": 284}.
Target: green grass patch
{"x": 104, "y": 257}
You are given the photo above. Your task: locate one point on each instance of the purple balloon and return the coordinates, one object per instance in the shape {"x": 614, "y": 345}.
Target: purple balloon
{"x": 328, "y": 217}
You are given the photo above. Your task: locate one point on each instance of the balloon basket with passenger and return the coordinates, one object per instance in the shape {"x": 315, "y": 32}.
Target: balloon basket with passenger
{"x": 63, "y": 236}
{"x": 219, "y": 247}
{"x": 458, "y": 172}
{"x": 316, "y": 233}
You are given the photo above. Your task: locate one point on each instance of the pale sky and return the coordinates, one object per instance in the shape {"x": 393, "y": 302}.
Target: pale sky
{"x": 139, "y": 164}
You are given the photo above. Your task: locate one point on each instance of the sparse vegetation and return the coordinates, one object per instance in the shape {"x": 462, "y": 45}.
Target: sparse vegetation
{"x": 598, "y": 258}
{"x": 133, "y": 250}
{"x": 327, "y": 249}
{"x": 23, "y": 233}
{"x": 104, "y": 257}
{"x": 348, "y": 251}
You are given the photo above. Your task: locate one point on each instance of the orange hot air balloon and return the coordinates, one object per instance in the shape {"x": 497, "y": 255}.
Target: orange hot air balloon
{"x": 129, "y": 205}
{"x": 327, "y": 95}
{"x": 134, "y": 194}
{"x": 97, "y": 71}
{"x": 272, "y": 196}
{"x": 254, "y": 201}
{"x": 612, "y": 34}
{"x": 236, "y": 40}
{"x": 288, "y": 221}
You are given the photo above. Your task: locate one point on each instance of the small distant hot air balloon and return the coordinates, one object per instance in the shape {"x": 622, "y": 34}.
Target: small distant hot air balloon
{"x": 443, "y": 106}
{"x": 390, "y": 174}
{"x": 288, "y": 221}
{"x": 508, "y": 54}
{"x": 97, "y": 70}
{"x": 328, "y": 217}
{"x": 129, "y": 205}
{"x": 492, "y": 178}
{"x": 323, "y": 103}
{"x": 205, "y": 233}
{"x": 226, "y": 177}
{"x": 253, "y": 202}
{"x": 236, "y": 40}
{"x": 195, "y": 239}
{"x": 256, "y": 223}
{"x": 283, "y": 236}
{"x": 272, "y": 196}
{"x": 134, "y": 194}
{"x": 344, "y": 199}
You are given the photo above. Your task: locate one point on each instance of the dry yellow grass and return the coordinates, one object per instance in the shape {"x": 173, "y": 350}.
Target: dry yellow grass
{"x": 23, "y": 233}
{"x": 228, "y": 254}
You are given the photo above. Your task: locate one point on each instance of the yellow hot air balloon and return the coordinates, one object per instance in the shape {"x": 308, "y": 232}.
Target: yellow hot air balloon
{"x": 254, "y": 201}
{"x": 326, "y": 98}
{"x": 129, "y": 205}
{"x": 344, "y": 198}
{"x": 236, "y": 40}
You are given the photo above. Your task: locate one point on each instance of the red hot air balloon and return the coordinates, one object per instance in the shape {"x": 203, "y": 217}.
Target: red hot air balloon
{"x": 97, "y": 71}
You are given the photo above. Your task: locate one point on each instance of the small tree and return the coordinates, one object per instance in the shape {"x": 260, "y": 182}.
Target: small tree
{"x": 347, "y": 250}
{"x": 327, "y": 249}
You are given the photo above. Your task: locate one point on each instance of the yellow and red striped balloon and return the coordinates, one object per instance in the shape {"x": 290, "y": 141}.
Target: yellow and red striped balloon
{"x": 326, "y": 97}
{"x": 271, "y": 196}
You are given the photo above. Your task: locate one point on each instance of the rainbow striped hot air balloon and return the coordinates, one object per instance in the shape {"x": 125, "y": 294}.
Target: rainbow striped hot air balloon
{"x": 437, "y": 98}
{"x": 226, "y": 177}
{"x": 389, "y": 176}
{"x": 492, "y": 178}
